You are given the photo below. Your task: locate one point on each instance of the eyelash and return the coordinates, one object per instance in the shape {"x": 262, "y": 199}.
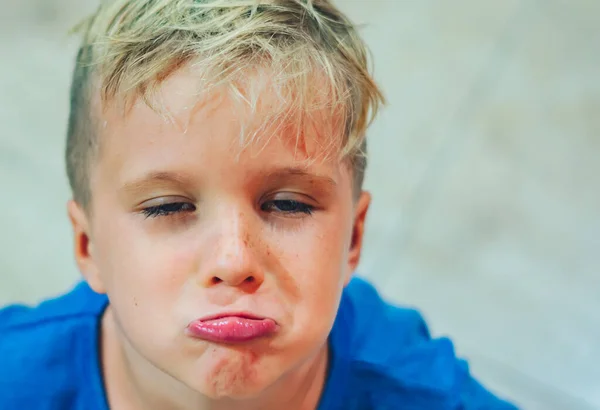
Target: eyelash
{"x": 269, "y": 206}
{"x": 300, "y": 207}
{"x": 168, "y": 209}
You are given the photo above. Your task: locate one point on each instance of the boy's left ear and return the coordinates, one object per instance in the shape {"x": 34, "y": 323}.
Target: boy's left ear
{"x": 358, "y": 230}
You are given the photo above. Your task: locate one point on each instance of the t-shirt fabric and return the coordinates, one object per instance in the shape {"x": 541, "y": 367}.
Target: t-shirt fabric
{"x": 381, "y": 357}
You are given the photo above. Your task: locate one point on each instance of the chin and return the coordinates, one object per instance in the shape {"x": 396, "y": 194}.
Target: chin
{"x": 231, "y": 374}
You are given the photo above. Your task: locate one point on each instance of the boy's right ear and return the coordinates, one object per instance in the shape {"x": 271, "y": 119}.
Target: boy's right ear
{"x": 84, "y": 246}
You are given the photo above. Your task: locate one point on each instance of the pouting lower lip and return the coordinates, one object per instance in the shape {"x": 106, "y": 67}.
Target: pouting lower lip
{"x": 231, "y": 329}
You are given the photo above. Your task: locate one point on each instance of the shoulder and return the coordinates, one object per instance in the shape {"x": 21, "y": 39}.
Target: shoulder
{"x": 368, "y": 306}
{"x": 376, "y": 323}
{"x": 393, "y": 358}
{"x": 41, "y": 347}
{"x": 22, "y": 325}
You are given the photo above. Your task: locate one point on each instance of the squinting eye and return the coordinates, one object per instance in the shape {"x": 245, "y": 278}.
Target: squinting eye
{"x": 287, "y": 206}
{"x": 168, "y": 209}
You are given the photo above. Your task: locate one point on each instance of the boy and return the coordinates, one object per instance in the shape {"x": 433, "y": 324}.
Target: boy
{"x": 216, "y": 156}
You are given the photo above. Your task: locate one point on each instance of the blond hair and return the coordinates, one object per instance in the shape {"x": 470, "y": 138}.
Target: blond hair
{"x": 130, "y": 47}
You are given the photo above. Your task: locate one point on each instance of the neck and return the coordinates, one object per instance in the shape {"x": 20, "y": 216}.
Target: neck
{"x": 133, "y": 383}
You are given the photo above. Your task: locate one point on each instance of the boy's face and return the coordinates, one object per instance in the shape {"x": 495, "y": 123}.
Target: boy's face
{"x": 184, "y": 224}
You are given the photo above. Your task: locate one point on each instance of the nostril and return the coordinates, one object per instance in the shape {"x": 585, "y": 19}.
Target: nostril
{"x": 248, "y": 280}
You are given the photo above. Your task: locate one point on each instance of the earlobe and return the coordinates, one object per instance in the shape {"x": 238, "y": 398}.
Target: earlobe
{"x": 358, "y": 230}
{"x": 83, "y": 246}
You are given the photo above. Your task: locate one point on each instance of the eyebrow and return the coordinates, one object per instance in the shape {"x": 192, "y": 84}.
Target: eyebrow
{"x": 181, "y": 179}
{"x": 156, "y": 177}
{"x": 283, "y": 173}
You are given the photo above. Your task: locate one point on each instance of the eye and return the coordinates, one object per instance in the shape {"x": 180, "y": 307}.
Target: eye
{"x": 168, "y": 209}
{"x": 287, "y": 206}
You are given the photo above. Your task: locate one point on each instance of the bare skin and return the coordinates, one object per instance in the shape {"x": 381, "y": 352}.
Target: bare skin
{"x": 182, "y": 225}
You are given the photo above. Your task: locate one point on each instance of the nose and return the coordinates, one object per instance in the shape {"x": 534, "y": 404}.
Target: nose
{"x": 232, "y": 257}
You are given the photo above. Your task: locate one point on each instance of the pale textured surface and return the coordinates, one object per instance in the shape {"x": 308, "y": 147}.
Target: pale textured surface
{"x": 484, "y": 169}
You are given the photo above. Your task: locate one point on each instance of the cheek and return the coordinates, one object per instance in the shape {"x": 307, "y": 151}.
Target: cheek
{"x": 315, "y": 259}
{"x": 321, "y": 253}
{"x": 143, "y": 270}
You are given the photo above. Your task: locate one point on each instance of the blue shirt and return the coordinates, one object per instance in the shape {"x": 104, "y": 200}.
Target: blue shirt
{"x": 382, "y": 357}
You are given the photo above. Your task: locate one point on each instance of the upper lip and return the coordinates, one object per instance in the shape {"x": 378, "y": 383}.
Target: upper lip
{"x": 244, "y": 315}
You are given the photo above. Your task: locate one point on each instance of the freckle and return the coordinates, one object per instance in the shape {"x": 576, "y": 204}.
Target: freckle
{"x": 135, "y": 301}
{"x": 253, "y": 357}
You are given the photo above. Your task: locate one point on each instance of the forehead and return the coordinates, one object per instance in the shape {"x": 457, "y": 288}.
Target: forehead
{"x": 252, "y": 123}
{"x": 262, "y": 102}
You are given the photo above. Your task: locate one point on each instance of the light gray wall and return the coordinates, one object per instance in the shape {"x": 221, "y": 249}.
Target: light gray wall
{"x": 484, "y": 169}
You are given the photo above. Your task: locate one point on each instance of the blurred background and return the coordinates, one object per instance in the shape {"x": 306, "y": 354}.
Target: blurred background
{"x": 484, "y": 167}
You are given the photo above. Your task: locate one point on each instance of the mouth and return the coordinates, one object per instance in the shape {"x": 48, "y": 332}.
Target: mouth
{"x": 242, "y": 315}
{"x": 240, "y": 327}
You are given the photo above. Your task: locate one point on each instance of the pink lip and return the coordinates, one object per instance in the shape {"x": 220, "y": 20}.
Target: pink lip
{"x": 232, "y": 328}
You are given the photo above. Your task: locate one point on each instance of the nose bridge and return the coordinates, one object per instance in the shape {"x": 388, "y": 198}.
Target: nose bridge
{"x": 232, "y": 233}
{"x": 231, "y": 259}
